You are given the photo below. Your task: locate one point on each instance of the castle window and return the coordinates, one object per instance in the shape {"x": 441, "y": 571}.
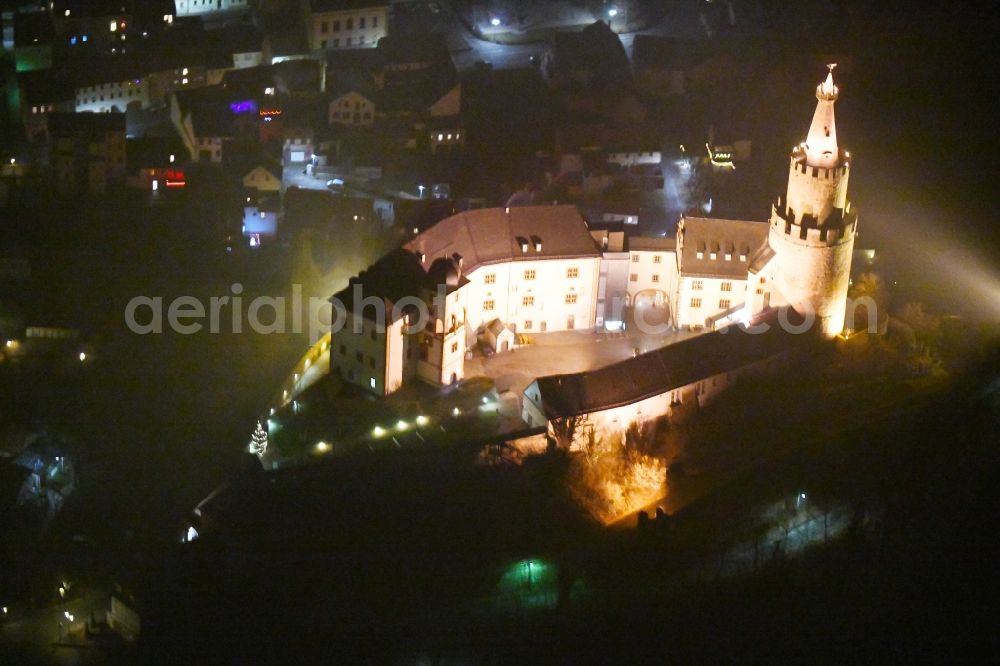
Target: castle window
{"x": 657, "y": 259}
{"x": 527, "y": 324}
{"x": 696, "y": 302}
{"x": 572, "y": 273}
{"x": 570, "y": 299}
{"x": 635, "y": 258}
{"x": 743, "y": 257}
{"x": 633, "y": 277}
{"x": 454, "y": 347}
{"x": 359, "y": 357}
{"x": 729, "y": 257}
{"x": 726, "y": 286}
{"x": 724, "y": 304}
{"x": 489, "y": 305}
{"x": 528, "y": 301}
{"x": 701, "y": 255}
{"x": 656, "y": 278}
{"x": 697, "y": 285}
{"x": 760, "y": 291}
{"x": 712, "y": 256}
{"x": 529, "y": 274}
{"x": 490, "y": 278}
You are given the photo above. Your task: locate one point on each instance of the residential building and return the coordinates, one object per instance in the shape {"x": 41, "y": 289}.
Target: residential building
{"x": 210, "y": 7}
{"x": 87, "y": 150}
{"x": 713, "y": 257}
{"x": 346, "y": 24}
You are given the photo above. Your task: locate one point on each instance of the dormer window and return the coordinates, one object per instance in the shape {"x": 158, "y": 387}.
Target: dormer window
{"x": 700, "y": 255}
{"x": 537, "y": 242}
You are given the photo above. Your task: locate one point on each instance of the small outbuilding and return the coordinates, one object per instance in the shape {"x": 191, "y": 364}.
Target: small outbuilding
{"x": 498, "y": 336}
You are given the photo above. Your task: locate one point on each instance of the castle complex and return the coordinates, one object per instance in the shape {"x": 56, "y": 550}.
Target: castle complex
{"x": 487, "y": 275}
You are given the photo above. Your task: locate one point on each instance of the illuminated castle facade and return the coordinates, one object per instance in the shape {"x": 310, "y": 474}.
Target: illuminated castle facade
{"x": 535, "y": 269}
{"x": 806, "y": 262}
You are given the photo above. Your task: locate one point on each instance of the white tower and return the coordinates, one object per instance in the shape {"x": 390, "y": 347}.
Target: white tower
{"x": 813, "y": 228}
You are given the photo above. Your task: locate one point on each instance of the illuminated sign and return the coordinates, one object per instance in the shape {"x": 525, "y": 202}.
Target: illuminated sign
{"x": 173, "y": 178}
{"x": 246, "y": 106}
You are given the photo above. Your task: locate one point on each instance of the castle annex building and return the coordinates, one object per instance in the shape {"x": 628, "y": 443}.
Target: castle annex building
{"x": 485, "y": 275}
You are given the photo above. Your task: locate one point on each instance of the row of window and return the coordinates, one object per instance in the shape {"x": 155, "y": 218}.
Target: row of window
{"x": 530, "y": 274}
{"x": 634, "y": 277}
{"x": 129, "y": 93}
{"x": 698, "y": 285}
{"x": 335, "y": 42}
{"x": 527, "y": 301}
{"x": 657, "y": 258}
{"x": 347, "y": 115}
{"x": 715, "y": 255}
{"x": 324, "y": 26}
{"x": 358, "y": 356}
{"x": 724, "y": 304}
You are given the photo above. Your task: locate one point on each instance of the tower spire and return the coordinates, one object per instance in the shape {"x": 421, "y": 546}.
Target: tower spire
{"x": 821, "y": 143}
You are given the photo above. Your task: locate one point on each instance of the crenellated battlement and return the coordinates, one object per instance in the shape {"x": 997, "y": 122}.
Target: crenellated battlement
{"x": 798, "y": 165}
{"x": 838, "y": 227}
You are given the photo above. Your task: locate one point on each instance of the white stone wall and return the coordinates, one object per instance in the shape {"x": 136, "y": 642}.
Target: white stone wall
{"x": 813, "y": 274}
{"x": 652, "y": 277}
{"x": 712, "y": 293}
{"x": 114, "y": 96}
{"x": 547, "y": 294}
{"x": 348, "y": 29}
{"x": 200, "y": 7}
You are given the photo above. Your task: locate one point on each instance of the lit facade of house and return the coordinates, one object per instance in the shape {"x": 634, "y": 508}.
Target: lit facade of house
{"x": 113, "y": 96}
{"x": 202, "y": 7}
{"x": 652, "y": 278}
{"x": 533, "y": 269}
{"x": 713, "y": 257}
{"x": 352, "y": 109}
{"x": 346, "y": 25}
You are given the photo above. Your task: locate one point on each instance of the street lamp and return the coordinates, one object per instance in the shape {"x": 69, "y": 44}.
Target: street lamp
{"x": 495, "y": 22}
{"x": 612, "y": 12}
{"x": 421, "y": 188}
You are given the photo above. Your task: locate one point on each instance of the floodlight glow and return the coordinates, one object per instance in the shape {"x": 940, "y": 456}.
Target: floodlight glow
{"x": 421, "y": 420}
{"x": 402, "y": 425}
{"x": 612, "y": 12}
{"x": 494, "y": 21}
{"x": 378, "y": 431}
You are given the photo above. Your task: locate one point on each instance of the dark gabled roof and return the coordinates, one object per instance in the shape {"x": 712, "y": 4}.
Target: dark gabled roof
{"x": 665, "y": 243}
{"x": 361, "y": 61}
{"x": 33, "y": 28}
{"x": 654, "y": 52}
{"x": 151, "y": 152}
{"x": 413, "y": 47}
{"x": 391, "y": 278}
{"x": 761, "y": 258}
{"x": 708, "y": 235}
{"x": 336, "y": 5}
{"x": 492, "y": 235}
{"x": 595, "y": 48}
{"x": 343, "y": 82}
{"x": 292, "y": 76}
{"x": 66, "y": 124}
{"x": 321, "y": 208}
{"x": 45, "y": 86}
{"x": 665, "y": 369}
